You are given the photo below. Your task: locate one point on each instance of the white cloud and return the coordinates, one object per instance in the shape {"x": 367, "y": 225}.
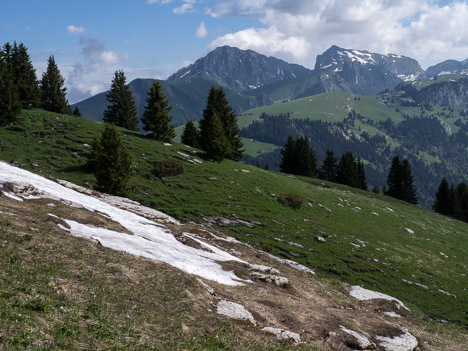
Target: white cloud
{"x": 299, "y": 30}
{"x": 186, "y": 7}
{"x": 201, "y": 31}
{"x": 162, "y": 2}
{"x": 72, "y": 29}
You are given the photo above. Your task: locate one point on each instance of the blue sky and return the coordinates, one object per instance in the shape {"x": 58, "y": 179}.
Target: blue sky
{"x": 154, "y": 38}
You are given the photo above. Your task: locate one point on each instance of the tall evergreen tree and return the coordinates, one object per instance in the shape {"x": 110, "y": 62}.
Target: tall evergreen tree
{"x": 156, "y": 118}
{"x": 25, "y": 76}
{"x": 347, "y": 173}
{"x": 212, "y": 137}
{"x": 122, "y": 110}
{"x": 394, "y": 179}
{"x": 218, "y": 104}
{"x": 462, "y": 203}
{"x": 288, "y": 156}
{"x": 9, "y": 101}
{"x": 407, "y": 186}
{"x": 329, "y": 167}
{"x": 191, "y": 135}
{"x": 53, "y": 93}
{"x": 361, "y": 175}
{"x": 111, "y": 162}
{"x": 306, "y": 164}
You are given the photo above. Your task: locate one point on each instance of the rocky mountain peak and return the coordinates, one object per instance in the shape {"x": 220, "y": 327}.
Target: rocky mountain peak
{"x": 240, "y": 70}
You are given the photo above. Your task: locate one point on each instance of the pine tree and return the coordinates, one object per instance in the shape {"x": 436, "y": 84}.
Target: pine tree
{"x": 111, "y": 162}
{"x": 288, "y": 156}
{"x": 361, "y": 175}
{"x": 306, "y": 164}
{"x": 53, "y": 93}
{"x": 347, "y": 173}
{"x": 156, "y": 118}
{"x": 329, "y": 167}
{"x": 122, "y": 110}
{"x": 77, "y": 112}
{"x": 9, "y": 101}
{"x": 462, "y": 203}
{"x": 25, "y": 76}
{"x": 442, "y": 198}
{"x": 218, "y": 104}
{"x": 212, "y": 137}
{"x": 394, "y": 179}
{"x": 408, "y": 189}
{"x": 191, "y": 135}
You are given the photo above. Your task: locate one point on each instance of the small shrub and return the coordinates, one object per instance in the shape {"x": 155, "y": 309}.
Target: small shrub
{"x": 169, "y": 167}
{"x": 291, "y": 200}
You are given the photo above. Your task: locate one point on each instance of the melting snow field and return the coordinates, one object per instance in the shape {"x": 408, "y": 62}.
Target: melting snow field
{"x": 364, "y": 294}
{"x": 149, "y": 238}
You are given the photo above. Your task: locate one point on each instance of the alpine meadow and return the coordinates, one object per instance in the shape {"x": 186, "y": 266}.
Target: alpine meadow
{"x": 231, "y": 175}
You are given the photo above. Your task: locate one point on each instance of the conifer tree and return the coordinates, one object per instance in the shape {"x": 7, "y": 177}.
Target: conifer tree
{"x": 288, "y": 156}
{"x": 25, "y": 76}
{"x": 156, "y": 118}
{"x": 394, "y": 179}
{"x": 111, "y": 162}
{"x": 462, "y": 201}
{"x": 407, "y": 187}
{"x": 218, "y": 104}
{"x": 191, "y": 135}
{"x": 122, "y": 110}
{"x": 347, "y": 173}
{"x": 306, "y": 164}
{"x": 9, "y": 102}
{"x": 53, "y": 93}
{"x": 329, "y": 167}
{"x": 212, "y": 138}
{"x": 77, "y": 112}
{"x": 361, "y": 175}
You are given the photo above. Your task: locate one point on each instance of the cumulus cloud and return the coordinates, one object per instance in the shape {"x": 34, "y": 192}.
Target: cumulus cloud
{"x": 95, "y": 72}
{"x": 186, "y": 7}
{"x": 72, "y": 29}
{"x": 300, "y": 30}
{"x": 201, "y": 31}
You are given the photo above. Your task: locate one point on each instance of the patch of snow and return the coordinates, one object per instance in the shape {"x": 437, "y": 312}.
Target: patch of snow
{"x": 409, "y": 231}
{"x": 149, "y": 239}
{"x": 447, "y": 293}
{"x": 326, "y": 66}
{"x": 183, "y": 154}
{"x": 321, "y": 239}
{"x": 253, "y": 87}
{"x": 283, "y": 334}
{"x": 12, "y": 196}
{"x": 364, "y": 294}
{"x": 355, "y": 245}
{"x": 374, "y": 213}
{"x": 361, "y": 339}
{"x": 183, "y": 75}
{"x": 245, "y": 171}
{"x": 388, "y": 208}
{"x": 392, "y": 314}
{"x": 403, "y": 342}
{"x": 167, "y": 144}
{"x": 51, "y": 205}
{"x": 444, "y": 255}
{"x": 264, "y": 269}
{"x": 293, "y": 264}
{"x": 235, "y": 311}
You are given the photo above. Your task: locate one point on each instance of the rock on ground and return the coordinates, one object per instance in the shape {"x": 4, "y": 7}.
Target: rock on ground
{"x": 283, "y": 334}
{"x": 235, "y": 311}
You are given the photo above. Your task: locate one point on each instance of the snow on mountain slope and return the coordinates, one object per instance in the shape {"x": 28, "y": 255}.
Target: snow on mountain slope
{"x": 149, "y": 239}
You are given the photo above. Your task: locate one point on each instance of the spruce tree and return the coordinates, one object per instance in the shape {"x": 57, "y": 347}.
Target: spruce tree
{"x": 306, "y": 164}
{"x": 9, "y": 101}
{"x": 111, "y": 162}
{"x": 288, "y": 156}
{"x": 361, "y": 175}
{"x": 122, "y": 110}
{"x": 407, "y": 187}
{"x": 347, "y": 173}
{"x": 394, "y": 179}
{"x": 191, "y": 135}
{"x": 329, "y": 167}
{"x": 53, "y": 93}
{"x": 462, "y": 201}
{"x": 212, "y": 137}
{"x": 156, "y": 118}
{"x": 218, "y": 104}
{"x": 25, "y": 76}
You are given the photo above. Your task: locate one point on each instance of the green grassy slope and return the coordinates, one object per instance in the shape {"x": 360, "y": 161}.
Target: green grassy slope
{"x": 366, "y": 240}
